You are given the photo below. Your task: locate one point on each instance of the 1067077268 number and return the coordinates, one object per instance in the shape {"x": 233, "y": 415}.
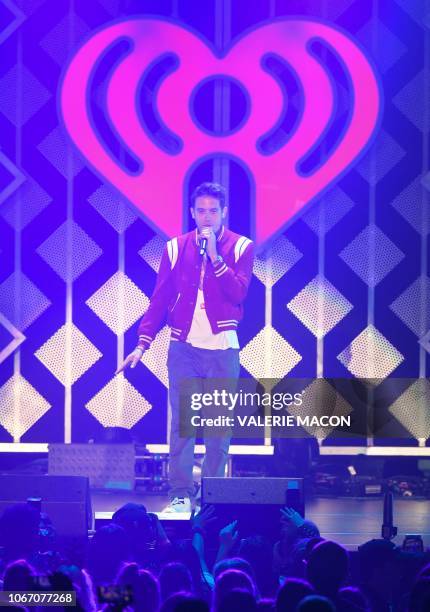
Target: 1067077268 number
{"x": 38, "y": 598}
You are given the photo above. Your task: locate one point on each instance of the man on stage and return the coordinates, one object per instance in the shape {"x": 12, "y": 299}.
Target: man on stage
{"x": 201, "y": 285}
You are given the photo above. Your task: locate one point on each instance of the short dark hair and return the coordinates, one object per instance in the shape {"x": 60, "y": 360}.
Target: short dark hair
{"x": 214, "y": 190}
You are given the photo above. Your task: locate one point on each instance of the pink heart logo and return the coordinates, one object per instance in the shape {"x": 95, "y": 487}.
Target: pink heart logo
{"x": 282, "y": 145}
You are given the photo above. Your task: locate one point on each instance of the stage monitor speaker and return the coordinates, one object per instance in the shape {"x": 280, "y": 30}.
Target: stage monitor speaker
{"x": 65, "y": 499}
{"x": 108, "y": 466}
{"x": 254, "y": 502}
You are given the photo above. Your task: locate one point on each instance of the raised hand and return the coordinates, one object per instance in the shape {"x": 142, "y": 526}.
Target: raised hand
{"x": 228, "y": 535}
{"x": 205, "y": 517}
{"x": 291, "y": 516}
{"x": 131, "y": 360}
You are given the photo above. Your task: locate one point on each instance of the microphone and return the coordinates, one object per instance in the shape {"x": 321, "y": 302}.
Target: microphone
{"x": 203, "y": 243}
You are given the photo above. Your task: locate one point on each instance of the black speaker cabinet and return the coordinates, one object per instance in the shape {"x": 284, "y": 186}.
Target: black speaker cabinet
{"x": 254, "y": 502}
{"x": 65, "y": 499}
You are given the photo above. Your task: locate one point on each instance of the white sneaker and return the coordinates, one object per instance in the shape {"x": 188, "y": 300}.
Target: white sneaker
{"x": 179, "y": 504}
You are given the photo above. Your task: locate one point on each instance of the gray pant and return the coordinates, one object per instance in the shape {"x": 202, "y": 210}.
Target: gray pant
{"x": 188, "y": 362}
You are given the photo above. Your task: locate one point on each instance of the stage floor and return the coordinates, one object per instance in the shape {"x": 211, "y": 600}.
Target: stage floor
{"x": 347, "y": 520}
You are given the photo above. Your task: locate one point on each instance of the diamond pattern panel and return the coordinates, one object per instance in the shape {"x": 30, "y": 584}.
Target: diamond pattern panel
{"x": 69, "y": 250}
{"x": 60, "y": 154}
{"x": 408, "y": 100}
{"x": 21, "y": 406}
{"x": 387, "y": 49}
{"x": 326, "y": 214}
{"x": 21, "y": 301}
{"x": 152, "y": 252}
{"x": 319, "y": 306}
{"x": 276, "y": 261}
{"x": 413, "y": 306}
{"x": 371, "y": 355}
{"x": 362, "y": 255}
{"x": 68, "y": 340}
{"x": 380, "y": 159}
{"x": 155, "y": 358}
{"x": 118, "y": 404}
{"x": 412, "y": 204}
{"x": 24, "y": 205}
{"x": 21, "y": 95}
{"x": 417, "y": 10}
{"x": 412, "y": 409}
{"x": 113, "y": 208}
{"x": 119, "y": 303}
{"x": 71, "y": 29}
{"x": 269, "y": 355}
{"x": 321, "y": 399}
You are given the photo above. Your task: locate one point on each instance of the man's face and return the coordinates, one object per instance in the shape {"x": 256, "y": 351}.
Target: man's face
{"x": 207, "y": 212}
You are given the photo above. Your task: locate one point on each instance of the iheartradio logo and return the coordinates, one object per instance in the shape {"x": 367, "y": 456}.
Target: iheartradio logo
{"x": 308, "y": 96}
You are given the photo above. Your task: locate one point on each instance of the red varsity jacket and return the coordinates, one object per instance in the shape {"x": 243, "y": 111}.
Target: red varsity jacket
{"x": 225, "y": 286}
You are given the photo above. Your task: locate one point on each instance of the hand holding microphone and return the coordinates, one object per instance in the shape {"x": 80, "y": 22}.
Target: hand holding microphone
{"x": 203, "y": 243}
{"x": 207, "y": 242}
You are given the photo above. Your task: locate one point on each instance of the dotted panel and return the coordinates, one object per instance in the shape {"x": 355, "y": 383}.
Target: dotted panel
{"x": 83, "y": 250}
{"x": 25, "y": 204}
{"x": 413, "y": 306}
{"x": 71, "y": 26}
{"x": 412, "y": 409}
{"x": 319, "y": 306}
{"x": 276, "y": 261}
{"x": 370, "y": 355}
{"x": 380, "y": 159}
{"x": 113, "y": 208}
{"x": 119, "y": 303}
{"x": 118, "y": 404}
{"x": 332, "y": 208}
{"x": 269, "y": 355}
{"x": 417, "y": 10}
{"x": 358, "y": 255}
{"x": 386, "y": 48}
{"x": 155, "y": 358}
{"x": 412, "y": 204}
{"x": 408, "y": 100}
{"x": 20, "y": 406}
{"x": 321, "y": 399}
{"x": 83, "y": 354}
{"x": 57, "y": 150}
{"x": 34, "y": 95}
{"x": 152, "y": 252}
{"x": 21, "y": 301}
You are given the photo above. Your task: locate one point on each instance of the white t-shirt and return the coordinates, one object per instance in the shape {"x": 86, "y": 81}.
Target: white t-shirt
{"x": 201, "y": 335}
